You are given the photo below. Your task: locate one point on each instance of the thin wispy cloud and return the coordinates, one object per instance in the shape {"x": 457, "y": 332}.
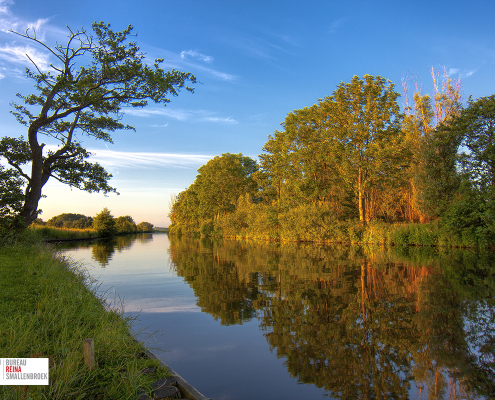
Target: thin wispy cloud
{"x": 180, "y": 115}
{"x": 133, "y": 159}
{"x": 187, "y": 54}
{"x": 227, "y": 120}
{"x": 286, "y": 39}
{"x": 9, "y": 21}
{"x": 16, "y": 52}
{"x": 457, "y": 72}
{"x": 124, "y": 159}
{"x": 178, "y": 63}
{"x": 4, "y": 6}
{"x": 139, "y": 160}
{"x": 222, "y": 75}
{"x": 19, "y": 55}
{"x": 336, "y": 25}
{"x": 196, "y": 55}
{"x": 188, "y": 60}
{"x": 253, "y": 46}
{"x": 269, "y": 51}
{"x": 453, "y": 71}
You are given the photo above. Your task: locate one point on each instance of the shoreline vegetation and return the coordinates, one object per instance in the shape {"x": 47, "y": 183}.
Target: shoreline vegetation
{"x": 50, "y": 305}
{"x": 69, "y": 226}
{"x": 355, "y": 168}
{"x": 316, "y": 229}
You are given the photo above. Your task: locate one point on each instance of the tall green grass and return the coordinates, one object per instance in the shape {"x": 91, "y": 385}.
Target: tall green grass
{"x": 50, "y": 232}
{"x": 49, "y": 306}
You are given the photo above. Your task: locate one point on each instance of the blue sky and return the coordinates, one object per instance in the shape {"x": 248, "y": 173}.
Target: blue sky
{"x": 256, "y": 61}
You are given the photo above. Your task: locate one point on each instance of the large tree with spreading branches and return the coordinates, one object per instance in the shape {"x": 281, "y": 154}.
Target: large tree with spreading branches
{"x": 93, "y": 77}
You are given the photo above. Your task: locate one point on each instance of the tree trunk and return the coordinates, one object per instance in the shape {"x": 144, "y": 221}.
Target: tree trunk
{"x": 33, "y": 191}
{"x": 361, "y": 198}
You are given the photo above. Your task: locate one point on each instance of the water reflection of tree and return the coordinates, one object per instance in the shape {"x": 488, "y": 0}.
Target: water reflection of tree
{"x": 215, "y": 282}
{"x": 328, "y": 340}
{"x": 102, "y": 251}
{"x": 123, "y": 242}
{"x": 357, "y": 322}
{"x": 144, "y": 237}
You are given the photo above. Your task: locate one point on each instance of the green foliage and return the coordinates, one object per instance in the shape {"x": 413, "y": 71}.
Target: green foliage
{"x": 262, "y": 221}
{"x": 468, "y": 217}
{"x": 368, "y": 147}
{"x": 347, "y": 151}
{"x": 222, "y": 180}
{"x": 351, "y": 156}
{"x": 207, "y": 228}
{"x": 441, "y": 180}
{"x": 125, "y": 225}
{"x": 476, "y": 126}
{"x": 355, "y": 231}
{"x": 250, "y": 220}
{"x": 11, "y": 197}
{"x": 469, "y": 220}
{"x": 144, "y": 227}
{"x": 414, "y": 234}
{"x": 214, "y": 194}
{"x": 104, "y": 223}
{"x": 48, "y": 232}
{"x": 73, "y": 98}
{"x": 309, "y": 222}
{"x": 71, "y": 221}
{"x": 376, "y": 232}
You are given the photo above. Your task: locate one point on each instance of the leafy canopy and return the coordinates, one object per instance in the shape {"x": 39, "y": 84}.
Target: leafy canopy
{"x": 73, "y": 100}
{"x": 104, "y": 223}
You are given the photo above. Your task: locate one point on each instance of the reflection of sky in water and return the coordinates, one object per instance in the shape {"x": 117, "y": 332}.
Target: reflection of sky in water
{"x": 224, "y": 362}
{"x": 480, "y": 331}
{"x": 161, "y": 305}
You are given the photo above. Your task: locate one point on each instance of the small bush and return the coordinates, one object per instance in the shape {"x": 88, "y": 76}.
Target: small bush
{"x": 104, "y": 223}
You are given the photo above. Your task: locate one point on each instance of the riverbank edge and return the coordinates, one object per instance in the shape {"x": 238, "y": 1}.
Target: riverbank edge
{"x": 51, "y": 234}
{"x": 349, "y": 233}
{"x": 38, "y": 250}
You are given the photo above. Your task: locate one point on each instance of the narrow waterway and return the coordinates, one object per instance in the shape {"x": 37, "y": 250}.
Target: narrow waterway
{"x": 300, "y": 321}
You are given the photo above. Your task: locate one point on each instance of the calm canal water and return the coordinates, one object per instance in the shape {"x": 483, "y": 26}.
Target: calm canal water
{"x": 246, "y": 320}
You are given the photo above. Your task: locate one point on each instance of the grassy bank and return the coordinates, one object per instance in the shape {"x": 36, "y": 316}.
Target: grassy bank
{"x": 50, "y": 232}
{"x": 49, "y": 307}
{"x": 53, "y": 233}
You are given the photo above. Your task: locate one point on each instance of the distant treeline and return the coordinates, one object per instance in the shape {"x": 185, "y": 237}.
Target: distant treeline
{"x": 103, "y": 223}
{"x": 354, "y": 167}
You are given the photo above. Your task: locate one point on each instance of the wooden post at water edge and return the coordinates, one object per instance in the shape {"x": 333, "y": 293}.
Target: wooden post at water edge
{"x": 89, "y": 353}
